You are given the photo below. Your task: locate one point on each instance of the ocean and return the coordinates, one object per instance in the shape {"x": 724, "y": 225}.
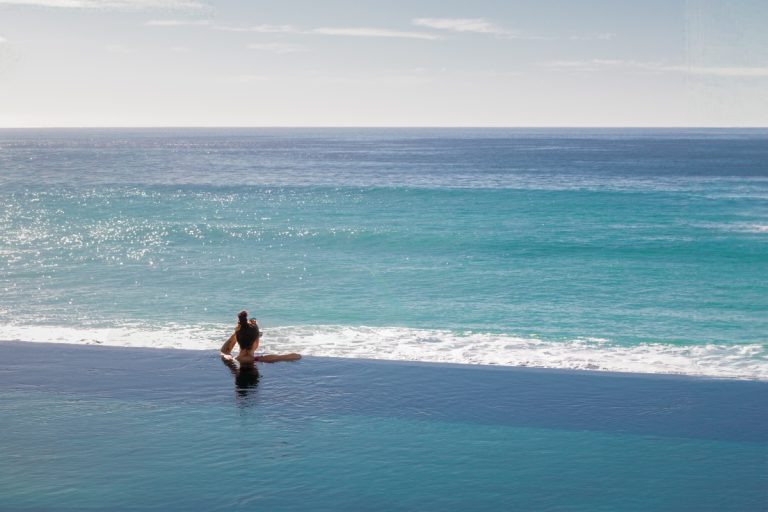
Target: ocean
{"x": 637, "y": 250}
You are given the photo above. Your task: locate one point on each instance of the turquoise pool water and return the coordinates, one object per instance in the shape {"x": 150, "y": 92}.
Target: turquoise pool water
{"x": 90, "y": 428}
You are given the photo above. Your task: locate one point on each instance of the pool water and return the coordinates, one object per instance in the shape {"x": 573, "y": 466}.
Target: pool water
{"x": 88, "y": 428}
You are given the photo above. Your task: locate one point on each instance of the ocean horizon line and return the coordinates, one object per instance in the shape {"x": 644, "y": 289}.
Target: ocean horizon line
{"x": 392, "y": 126}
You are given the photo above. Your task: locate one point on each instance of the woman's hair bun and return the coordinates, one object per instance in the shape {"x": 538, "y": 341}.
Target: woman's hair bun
{"x": 243, "y": 317}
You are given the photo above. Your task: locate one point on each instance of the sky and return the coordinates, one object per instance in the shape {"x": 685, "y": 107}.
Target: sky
{"x": 373, "y": 63}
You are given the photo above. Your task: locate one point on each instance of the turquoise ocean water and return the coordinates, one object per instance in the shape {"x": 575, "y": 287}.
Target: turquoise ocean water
{"x": 625, "y": 250}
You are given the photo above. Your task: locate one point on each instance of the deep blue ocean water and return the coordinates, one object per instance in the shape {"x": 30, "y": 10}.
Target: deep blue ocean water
{"x": 625, "y": 250}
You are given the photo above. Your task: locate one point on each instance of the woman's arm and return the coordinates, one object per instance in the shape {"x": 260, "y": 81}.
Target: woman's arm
{"x": 226, "y": 349}
{"x": 275, "y": 358}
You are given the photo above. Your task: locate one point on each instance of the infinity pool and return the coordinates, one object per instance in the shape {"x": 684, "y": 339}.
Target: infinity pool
{"x": 86, "y": 428}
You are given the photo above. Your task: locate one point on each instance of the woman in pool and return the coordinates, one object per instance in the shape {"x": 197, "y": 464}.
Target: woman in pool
{"x": 247, "y": 336}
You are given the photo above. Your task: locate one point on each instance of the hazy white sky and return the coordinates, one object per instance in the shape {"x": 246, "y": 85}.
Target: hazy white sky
{"x": 375, "y": 63}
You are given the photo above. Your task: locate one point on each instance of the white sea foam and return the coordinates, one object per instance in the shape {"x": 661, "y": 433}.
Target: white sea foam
{"x": 736, "y": 227}
{"x": 745, "y": 361}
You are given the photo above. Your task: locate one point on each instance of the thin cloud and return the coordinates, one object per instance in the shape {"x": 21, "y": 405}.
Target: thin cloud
{"x": 262, "y": 29}
{"x": 3, "y": 40}
{"x": 583, "y": 65}
{"x": 110, "y": 4}
{"x": 279, "y": 48}
{"x": 657, "y": 67}
{"x": 723, "y": 71}
{"x": 371, "y": 32}
{"x": 177, "y": 23}
{"x": 603, "y": 36}
{"x": 474, "y": 26}
{"x": 331, "y": 31}
{"x": 478, "y": 25}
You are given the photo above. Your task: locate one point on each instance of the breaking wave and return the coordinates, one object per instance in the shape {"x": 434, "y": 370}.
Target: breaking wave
{"x": 743, "y": 361}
